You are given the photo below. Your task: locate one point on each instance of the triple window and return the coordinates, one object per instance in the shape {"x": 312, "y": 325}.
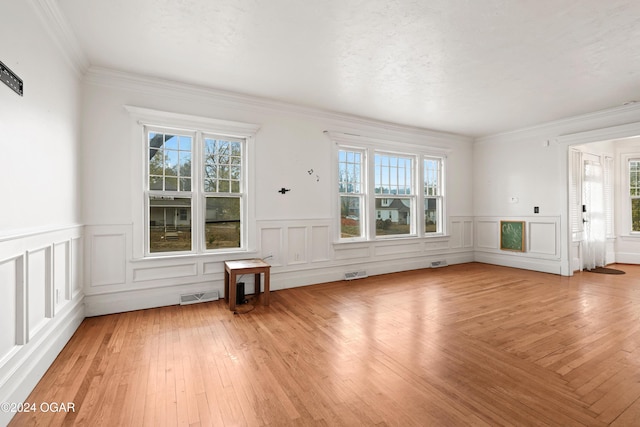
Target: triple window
{"x": 386, "y": 194}
{"x": 195, "y": 191}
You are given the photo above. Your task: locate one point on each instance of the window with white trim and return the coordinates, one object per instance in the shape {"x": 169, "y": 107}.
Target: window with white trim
{"x": 394, "y": 194}
{"x": 634, "y": 194}
{"x": 169, "y": 196}
{"x": 205, "y": 201}
{"x": 432, "y": 173}
{"x": 195, "y": 180}
{"x": 351, "y": 192}
{"x": 194, "y": 187}
{"x": 380, "y": 192}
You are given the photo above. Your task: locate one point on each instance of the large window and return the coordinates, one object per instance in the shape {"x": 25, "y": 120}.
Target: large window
{"x": 351, "y": 190}
{"x": 432, "y": 173}
{"x": 195, "y": 191}
{"x": 634, "y": 193}
{"x": 394, "y": 194}
{"x": 169, "y": 191}
{"x": 380, "y": 193}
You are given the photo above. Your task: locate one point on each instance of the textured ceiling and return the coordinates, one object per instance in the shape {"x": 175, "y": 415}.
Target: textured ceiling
{"x": 473, "y": 67}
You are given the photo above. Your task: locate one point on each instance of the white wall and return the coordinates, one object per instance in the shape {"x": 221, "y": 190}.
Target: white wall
{"x": 296, "y": 228}
{"x": 532, "y": 166}
{"x": 40, "y": 233}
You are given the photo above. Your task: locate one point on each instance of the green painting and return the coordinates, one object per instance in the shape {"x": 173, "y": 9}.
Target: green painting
{"x": 512, "y": 236}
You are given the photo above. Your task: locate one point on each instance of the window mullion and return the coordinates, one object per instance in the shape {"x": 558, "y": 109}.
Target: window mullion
{"x": 197, "y": 166}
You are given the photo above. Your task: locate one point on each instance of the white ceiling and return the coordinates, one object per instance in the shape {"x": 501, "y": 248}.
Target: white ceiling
{"x": 473, "y": 67}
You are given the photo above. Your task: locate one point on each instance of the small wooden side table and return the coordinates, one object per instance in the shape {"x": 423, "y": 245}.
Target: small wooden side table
{"x": 245, "y": 266}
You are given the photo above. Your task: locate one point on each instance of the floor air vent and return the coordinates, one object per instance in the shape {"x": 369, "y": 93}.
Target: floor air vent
{"x": 199, "y": 297}
{"x": 436, "y": 264}
{"x": 355, "y": 275}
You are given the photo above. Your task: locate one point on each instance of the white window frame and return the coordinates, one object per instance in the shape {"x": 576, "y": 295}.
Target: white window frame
{"x": 439, "y": 196}
{"x": 628, "y": 198}
{"x": 385, "y": 198}
{"x": 360, "y": 195}
{"x": 371, "y": 146}
{"x": 143, "y": 118}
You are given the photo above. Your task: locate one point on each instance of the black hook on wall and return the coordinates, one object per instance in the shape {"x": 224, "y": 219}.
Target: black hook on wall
{"x": 283, "y": 190}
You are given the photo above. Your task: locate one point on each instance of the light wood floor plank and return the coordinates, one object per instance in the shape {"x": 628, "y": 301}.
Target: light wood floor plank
{"x": 467, "y": 345}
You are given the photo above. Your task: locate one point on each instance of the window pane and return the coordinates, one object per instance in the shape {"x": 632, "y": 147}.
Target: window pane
{"x": 393, "y": 174}
{"x": 634, "y": 178}
{"x": 222, "y": 163}
{"x": 393, "y": 216}
{"x": 169, "y": 156}
{"x": 431, "y": 177}
{"x": 635, "y": 214}
{"x": 222, "y": 222}
{"x": 349, "y": 172}
{"x": 169, "y": 224}
{"x": 350, "y": 217}
{"x": 431, "y": 215}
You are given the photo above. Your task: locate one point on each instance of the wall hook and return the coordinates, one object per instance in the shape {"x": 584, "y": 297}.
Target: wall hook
{"x": 283, "y": 190}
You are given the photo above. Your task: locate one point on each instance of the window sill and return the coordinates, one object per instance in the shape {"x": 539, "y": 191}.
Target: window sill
{"x": 393, "y": 240}
{"x": 630, "y": 236}
{"x": 208, "y": 256}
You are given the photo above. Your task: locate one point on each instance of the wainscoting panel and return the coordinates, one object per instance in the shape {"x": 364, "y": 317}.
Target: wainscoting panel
{"x": 352, "y": 252}
{"x": 488, "y": 234}
{"x": 297, "y": 245}
{"x": 61, "y": 279}
{"x": 157, "y": 272}
{"x": 320, "y": 235}
{"x": 76, "y": 262}
{"x": 543, "y": 238}
{"x": 399, "y": 247}
{"x": 10, "y": 284}
{"x": 39, "y": 289}
{"x": 271, "y": 244}
{"x": 542, "y": 243}
{"x": 461, "y": 230}
{"x": 35, "y": 266}
{"x": 108, "y": 259}
{"x": 299, "y": 242}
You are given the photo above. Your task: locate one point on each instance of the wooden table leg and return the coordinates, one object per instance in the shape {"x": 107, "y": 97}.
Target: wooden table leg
{"x": 226, "y": 284}
{"x": 265, "y": 301}
{"x": 232, "y": 291}
{"x": 257, "y": 285}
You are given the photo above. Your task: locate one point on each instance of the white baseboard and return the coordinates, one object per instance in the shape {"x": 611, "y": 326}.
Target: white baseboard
{"x": 24, "y": 369}
{"x": 627, "y": 258}
{"x": 542, "y": 265}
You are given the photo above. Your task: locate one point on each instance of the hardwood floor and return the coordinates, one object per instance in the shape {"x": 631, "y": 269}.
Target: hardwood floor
{"x": 464, "y": 345}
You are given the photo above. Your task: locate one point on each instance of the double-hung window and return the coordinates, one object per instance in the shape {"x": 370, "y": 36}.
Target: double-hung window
{"x": 351, "y": 192}
{"x": 195, "y": 191}
{"x": 169, "y": 195}
{"x": 394, "y": 193}
{"x": 196, "y": 185}
{"x": 634, "y": 193}
{"x": 432, "y": 173}
{"x": 381, "y": 191}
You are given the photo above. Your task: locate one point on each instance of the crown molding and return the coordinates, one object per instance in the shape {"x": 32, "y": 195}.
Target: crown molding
{"x": 157, "y": 86}
{"x": 595, "y": 121}
{"x": 62, "y": 34}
